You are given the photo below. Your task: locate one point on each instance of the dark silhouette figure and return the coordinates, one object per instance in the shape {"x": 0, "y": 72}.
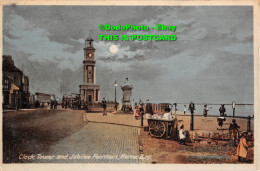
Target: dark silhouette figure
{"x": 222, "y": 110}
{"x": 104, "y": 106}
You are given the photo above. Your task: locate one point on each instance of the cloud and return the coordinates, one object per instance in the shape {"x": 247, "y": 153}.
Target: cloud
{"x": 212, "y": 58}
{"x": 35, "y": 41}
{"x": 124, "y": 59}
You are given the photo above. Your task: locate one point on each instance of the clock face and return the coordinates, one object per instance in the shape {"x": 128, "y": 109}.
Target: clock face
{"x": 90, "y": 55}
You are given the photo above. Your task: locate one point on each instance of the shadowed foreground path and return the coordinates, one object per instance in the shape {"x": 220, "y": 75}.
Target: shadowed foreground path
{"x": 97, "y": 143}
{"x": 63, "y": 136}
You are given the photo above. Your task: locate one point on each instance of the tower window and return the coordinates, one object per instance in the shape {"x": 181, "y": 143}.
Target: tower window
{"x": 90, "y": 74}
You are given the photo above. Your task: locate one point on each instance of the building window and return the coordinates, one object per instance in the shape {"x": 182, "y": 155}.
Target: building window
{"x": 6, "y": 83}
{"x": 96, "y": 95}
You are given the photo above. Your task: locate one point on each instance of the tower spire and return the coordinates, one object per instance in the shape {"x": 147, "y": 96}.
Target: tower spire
{"x": 90, "y": 32}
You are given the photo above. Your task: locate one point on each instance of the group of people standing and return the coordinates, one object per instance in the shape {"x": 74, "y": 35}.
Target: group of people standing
{"x": 139, "y": 110}
{"x": 222, "y": 109}
{"x": 241, "y": 142}
{"x": 74, "y": 104}
{"x": 53, "y": 104}
{"x": 242, "y": 145}
{"x": 191, "y": 108}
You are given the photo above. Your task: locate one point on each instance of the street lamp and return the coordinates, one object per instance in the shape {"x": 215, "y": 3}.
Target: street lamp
{"x": 115, "y": 95}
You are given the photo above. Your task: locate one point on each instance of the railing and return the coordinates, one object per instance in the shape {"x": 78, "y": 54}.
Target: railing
{"x": 241, "y": 110}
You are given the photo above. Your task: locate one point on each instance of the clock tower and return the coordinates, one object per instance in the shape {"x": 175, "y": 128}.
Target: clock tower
{"x": 89, "y": 90}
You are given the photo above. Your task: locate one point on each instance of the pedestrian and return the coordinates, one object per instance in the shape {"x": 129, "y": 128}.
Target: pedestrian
{"x": 141, "y": 108}
{"x": 242, "y": 148}
{"x": 222, "y": 110}
{"x": 52, "y": 103}
{"x": 233, "y": 125}
{"x": 184, "y": 110}
{"x": 182, "y": 135}
{"x": 136, "y": 104}
{"x": 233, "y": 130}
{"x": 148, "y": 108}
{"x": 66, "y": 104}
{"x": 205, "y": 112}
{"x": 141, "y": 111}
{"x": 167, "y": 115}
{"x": 104, "y": 106}
{"x": 220, "y": 121}
{"x": 73, "y": 104}
{"x": 79, "y": 104}
{"x": 136, "y": 113}
{"x": 151, "y": 109}
{"x": 55, "y": 104}
{"x": 192, "y": 107}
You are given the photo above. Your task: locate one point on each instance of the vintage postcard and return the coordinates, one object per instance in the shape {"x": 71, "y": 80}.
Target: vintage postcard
{"x": 121, "y": 85}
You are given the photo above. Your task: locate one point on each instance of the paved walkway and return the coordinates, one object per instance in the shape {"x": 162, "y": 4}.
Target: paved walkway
{"x": 120, "y": 119}
{"x": 97, "y": 143}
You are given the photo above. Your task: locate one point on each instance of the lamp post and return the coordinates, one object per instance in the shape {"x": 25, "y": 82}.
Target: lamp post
{"x": 115, "y": 95}
{"x": 233, "y": 106}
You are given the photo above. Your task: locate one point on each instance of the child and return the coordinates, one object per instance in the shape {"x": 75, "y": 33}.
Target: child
{"x": 136, "y": 112}
{"x": 182, "y": 135}
{"x": 184, "y": 110}
{"x": 205, "y": 112}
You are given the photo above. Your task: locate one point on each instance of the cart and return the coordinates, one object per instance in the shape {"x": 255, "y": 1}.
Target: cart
{"x": 160, "y": 127}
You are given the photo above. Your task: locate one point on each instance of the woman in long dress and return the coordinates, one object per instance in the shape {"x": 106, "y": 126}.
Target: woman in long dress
{"x": 242, "y": 148}
{"x": 136, "y": 113}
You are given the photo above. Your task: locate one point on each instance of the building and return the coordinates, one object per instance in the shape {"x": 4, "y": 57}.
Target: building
{"x": 89, "y": 90}
{"x": 25, "y": 92}
{"x": 127, "y": 96}
{"x": 11, "y": 96}
{"x": 43, "y": 97}
{"x": 12, "y": 84}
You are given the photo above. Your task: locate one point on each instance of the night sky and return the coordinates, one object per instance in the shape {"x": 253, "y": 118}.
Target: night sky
{"x": 210, "y": 62}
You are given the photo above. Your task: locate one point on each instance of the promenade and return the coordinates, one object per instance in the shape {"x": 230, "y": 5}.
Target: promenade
{"x": 200, "y": 122}
{"x": 73, "y": 136}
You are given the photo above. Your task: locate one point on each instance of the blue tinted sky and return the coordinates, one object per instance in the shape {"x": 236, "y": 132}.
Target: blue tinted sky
{"x": 211, "y": 61}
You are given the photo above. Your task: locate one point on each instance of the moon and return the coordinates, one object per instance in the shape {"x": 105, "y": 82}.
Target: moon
{"x": 113, "y": 49}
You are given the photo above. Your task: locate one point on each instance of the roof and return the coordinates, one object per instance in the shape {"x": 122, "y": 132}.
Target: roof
{"x": 127, "y": 87}
{"x": 42, "y": 94}
{"x": 8, "y": 65}
{"x": 89, "y": 38}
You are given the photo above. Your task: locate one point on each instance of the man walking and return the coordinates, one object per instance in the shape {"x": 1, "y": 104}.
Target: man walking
{"x": 104, "y": 105}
